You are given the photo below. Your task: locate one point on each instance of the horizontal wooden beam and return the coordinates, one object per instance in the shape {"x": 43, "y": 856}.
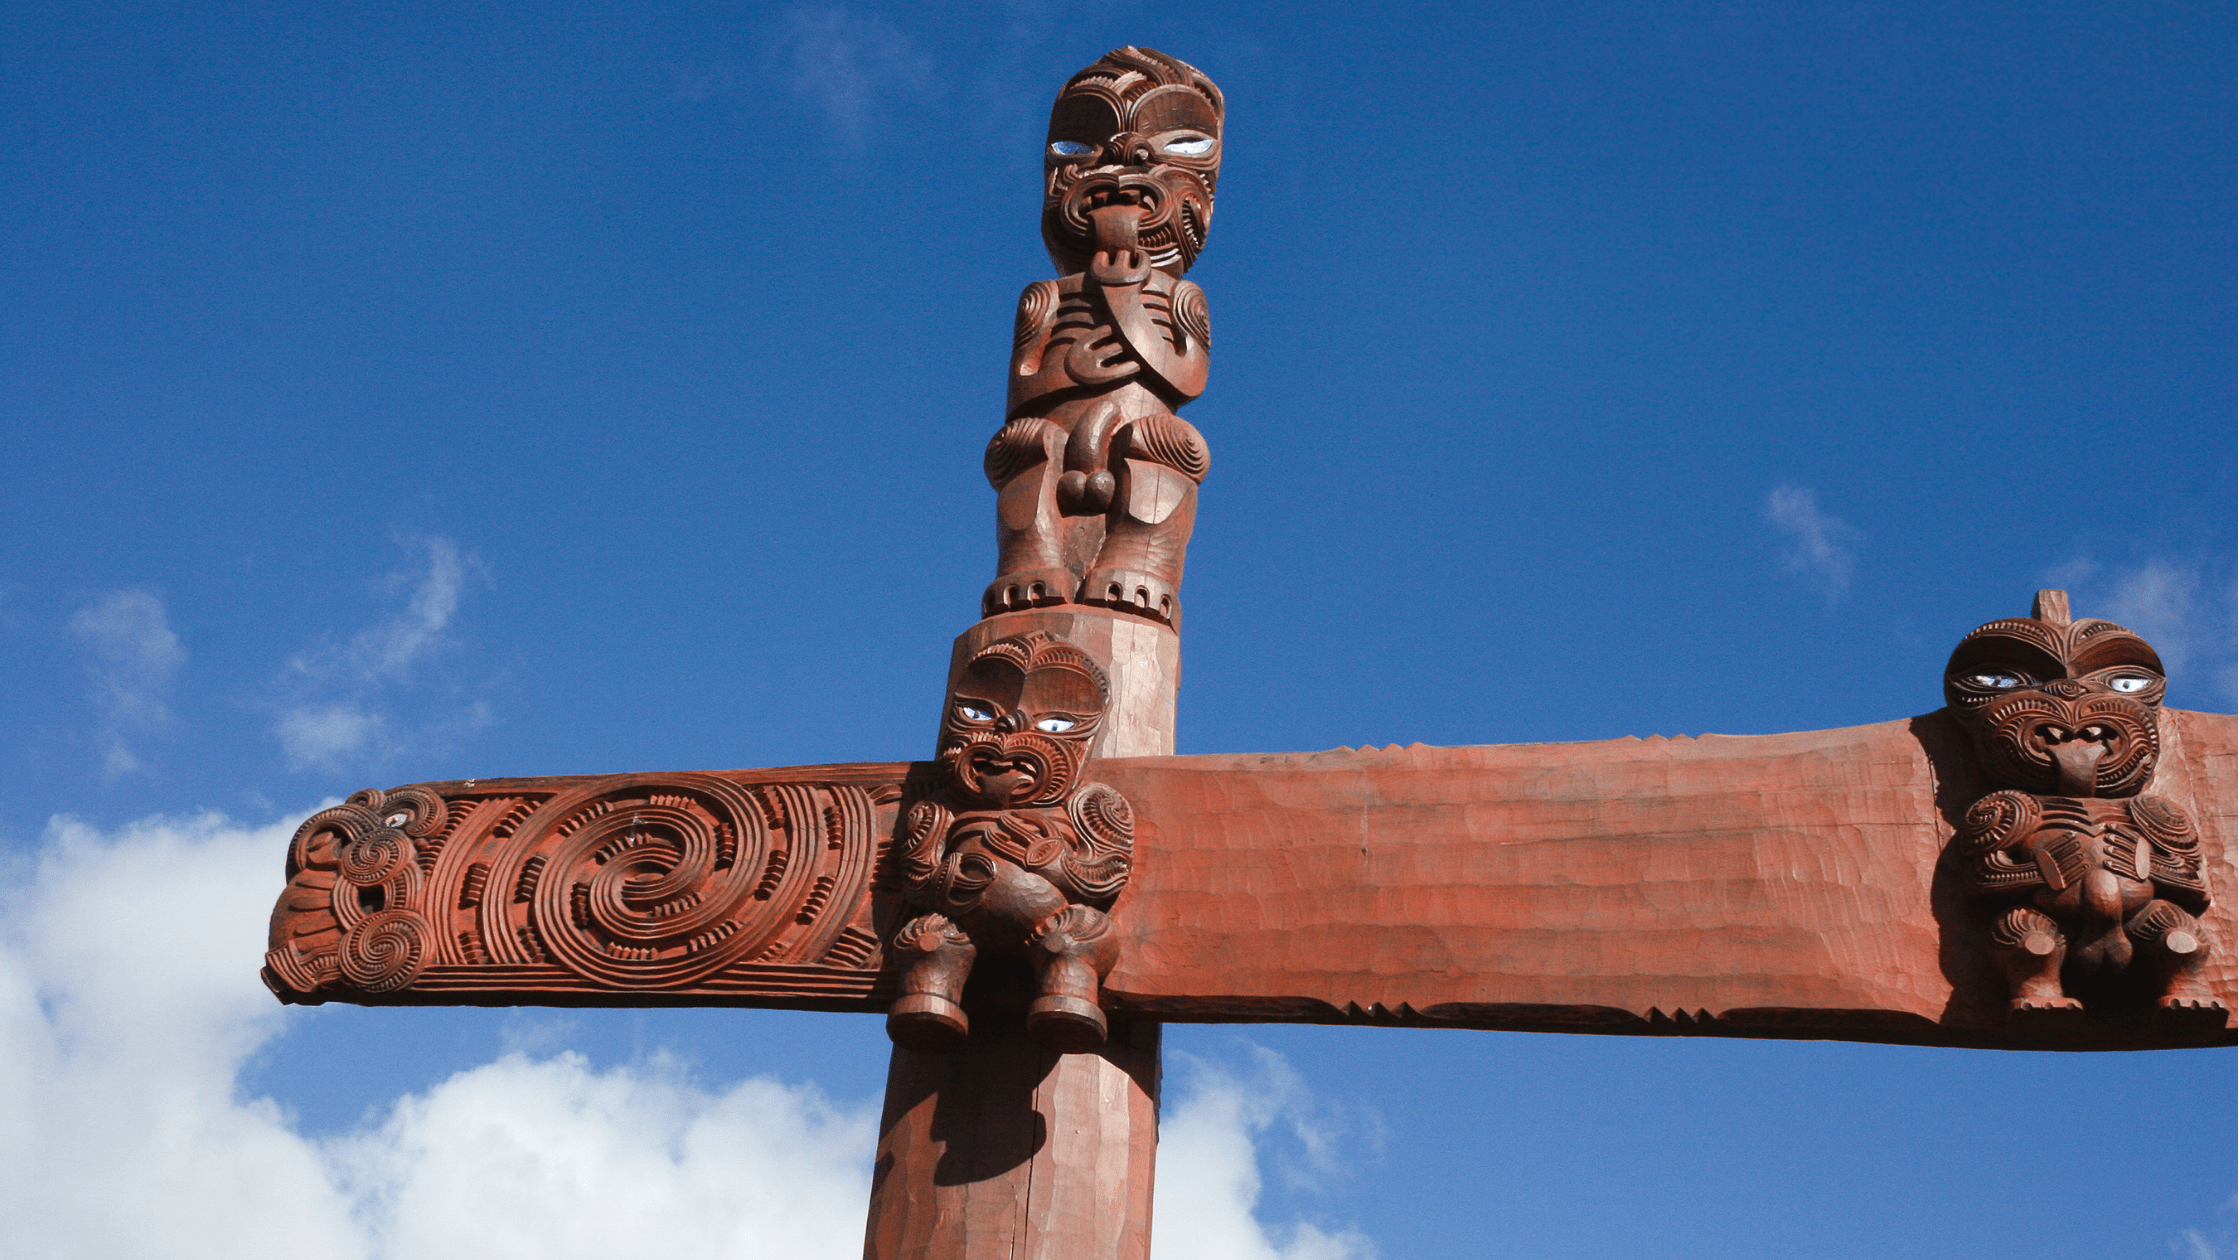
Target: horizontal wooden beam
{"x": 1757, "y": 886}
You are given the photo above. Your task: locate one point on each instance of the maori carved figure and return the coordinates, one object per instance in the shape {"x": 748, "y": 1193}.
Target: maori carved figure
{"x": 1016, "y": 853}
{"x": 2089, "y": 880}
{"x": 619, "y": 884}
{"x": 1096, "y": 477}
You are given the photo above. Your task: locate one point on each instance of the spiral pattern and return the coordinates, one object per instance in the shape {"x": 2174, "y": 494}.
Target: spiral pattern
{"x": 1997, "y": 821}
{"x": 920, "y": 845}
{"x": 385, "y": 951}
{"x": 376, "y": 857}
{"x": 2165, "y": 824}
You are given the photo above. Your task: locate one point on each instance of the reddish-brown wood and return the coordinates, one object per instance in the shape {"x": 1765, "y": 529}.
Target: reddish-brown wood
{"x": 2091, "y": 884}
{"x": 1096, "y": 477}
{"x": 1008, "y": 1149}
{"x": 1775, "y": 885}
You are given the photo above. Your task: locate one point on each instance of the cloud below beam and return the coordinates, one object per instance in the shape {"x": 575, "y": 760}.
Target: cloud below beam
{"x": 124, "y": 1130}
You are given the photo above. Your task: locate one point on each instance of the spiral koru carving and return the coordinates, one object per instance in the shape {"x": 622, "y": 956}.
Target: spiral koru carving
{"x": 2090, "y": 885}
{"x": 628, "y": 882}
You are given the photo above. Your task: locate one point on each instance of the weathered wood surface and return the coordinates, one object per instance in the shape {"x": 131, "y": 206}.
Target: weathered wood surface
{"x": 1780, "y": 885}
{"x": 1007, "y": 1149}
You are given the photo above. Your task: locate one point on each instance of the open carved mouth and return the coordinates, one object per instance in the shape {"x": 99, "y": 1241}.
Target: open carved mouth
{"x": 1006, "y": 772}
{"x": 2098, "y": 746}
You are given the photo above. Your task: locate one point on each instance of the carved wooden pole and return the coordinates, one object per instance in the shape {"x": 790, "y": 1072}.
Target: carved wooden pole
{"x": 1020, "y": 1137}
{"x": 1003, "y": 1147}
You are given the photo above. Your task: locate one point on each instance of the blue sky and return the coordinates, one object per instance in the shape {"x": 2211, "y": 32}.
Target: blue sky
{"x": 412, "y": 392}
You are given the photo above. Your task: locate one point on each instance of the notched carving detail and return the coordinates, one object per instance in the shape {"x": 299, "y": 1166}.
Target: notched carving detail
{"x": 631, "y": 882}
{"x": 2091, "y": 886}
{"x": 1014, "y": 853}
{"x": 1096, "y": 477}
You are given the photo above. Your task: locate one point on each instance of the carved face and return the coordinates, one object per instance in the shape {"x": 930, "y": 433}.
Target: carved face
{"x": 1019, "y": 721}
{"x": 2065, "y": 708}
{"x": 1137, "y": 136}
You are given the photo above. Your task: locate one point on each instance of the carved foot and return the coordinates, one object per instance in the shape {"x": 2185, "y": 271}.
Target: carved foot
{"x": 927, "y": 1017}
{"x": 2044, "y": 1012}
{"x": 1068, "y": 1025}
{"x": 1028, "y": 588}
{"x": 2191, "y": 1010}
{"x": 1072, "y": 950}
{"x": 1133, "y": 591}
{"x": 927, "y": 1023}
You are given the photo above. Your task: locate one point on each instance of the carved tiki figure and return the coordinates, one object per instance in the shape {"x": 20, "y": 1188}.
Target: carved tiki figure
{"x": 1096, "y": 476}
{"x": 1015, "y": 854}
{"x": 2090, "y": 880}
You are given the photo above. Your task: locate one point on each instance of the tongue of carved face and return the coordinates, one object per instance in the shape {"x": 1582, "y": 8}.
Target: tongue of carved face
{"x": 2059, "y": 707}
{"x": 1132, "y": 157}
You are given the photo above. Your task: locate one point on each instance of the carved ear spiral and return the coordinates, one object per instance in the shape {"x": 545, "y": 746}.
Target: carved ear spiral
{"x": 385, "y": 951}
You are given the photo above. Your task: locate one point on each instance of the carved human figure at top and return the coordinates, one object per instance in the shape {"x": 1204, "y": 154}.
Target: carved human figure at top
{"x": 1096, "y": 476}
{"x": 2083, "y": 871}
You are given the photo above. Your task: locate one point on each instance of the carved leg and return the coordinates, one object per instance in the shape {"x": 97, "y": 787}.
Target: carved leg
{"x": 2030, "y": 947}
{"x": 2174, "y": 942}
{"x": 929, "y": 1016}
{"x": 1071, "y": 952}
{"x": 1022, "y": 463}
{"x": 1140, "y": 568}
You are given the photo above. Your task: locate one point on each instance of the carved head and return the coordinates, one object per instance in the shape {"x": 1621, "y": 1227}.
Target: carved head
{"x": 1133, "y": 153}
{"x": 1020, "y": 719}
{"x": 2057, "y": 706}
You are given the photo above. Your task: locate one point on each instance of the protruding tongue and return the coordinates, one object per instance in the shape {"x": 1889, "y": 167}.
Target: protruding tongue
{"x": 2077, "y": 760}
{"x": 1114, "y": 227}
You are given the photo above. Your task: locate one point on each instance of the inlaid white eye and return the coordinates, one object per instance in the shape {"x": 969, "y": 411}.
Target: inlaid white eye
{"x": 396, "y": 820}
{"x": 1071, "y": 148}
{"x": 1197, "y": 144}
{"x": 1054, "y": 724}
{"x": 974, "y": 713}
{"x": 2128, "y": 683}
{"x": 1996, "y": 681}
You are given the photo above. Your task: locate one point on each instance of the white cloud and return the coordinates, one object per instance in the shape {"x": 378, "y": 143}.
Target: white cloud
{"x": 131, "y": 652}
{"x": 129, "y": 1004}
{"x": 335, "y": 715}
{"x": 1211, "y": 1143}
{"x": 2191, "y": 1245}
{"x": 844, "y": 63}
{"x": 323, "y": 734}
{"x": 1816, "y": 539}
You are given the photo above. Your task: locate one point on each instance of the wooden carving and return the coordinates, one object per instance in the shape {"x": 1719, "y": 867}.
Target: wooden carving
{"x": 679, "y": 884}
{"x": 2092, "y": 884}
{"x": 1015, "y": 854}
{"x": 1096, "y": 477}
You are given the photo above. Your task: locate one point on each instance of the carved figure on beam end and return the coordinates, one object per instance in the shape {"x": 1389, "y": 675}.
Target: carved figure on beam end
{"x": 2092, "y": 885}
{"x": 1096, "y": 477}
{"x": 1015, "y": 854}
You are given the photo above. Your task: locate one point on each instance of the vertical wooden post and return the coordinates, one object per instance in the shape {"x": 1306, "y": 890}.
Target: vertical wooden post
{"x": 1003, "y": 1150}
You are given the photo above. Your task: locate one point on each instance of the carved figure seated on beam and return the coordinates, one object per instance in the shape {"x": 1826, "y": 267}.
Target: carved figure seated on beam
{"x": 2089, "y": 882}
{"x": 1096, "y": 477}
{"x": 1016, "y": 854}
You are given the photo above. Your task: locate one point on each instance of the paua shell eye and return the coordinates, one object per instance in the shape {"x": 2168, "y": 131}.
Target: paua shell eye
{"x": 1997, "y": 680}
{"x": 1193, "y": 145}
{"x": 2128, "y": 683}
{"x": 1074, "y": 148}
{"x": 1054, "y": 724}
{"x": 974, "y": 713}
